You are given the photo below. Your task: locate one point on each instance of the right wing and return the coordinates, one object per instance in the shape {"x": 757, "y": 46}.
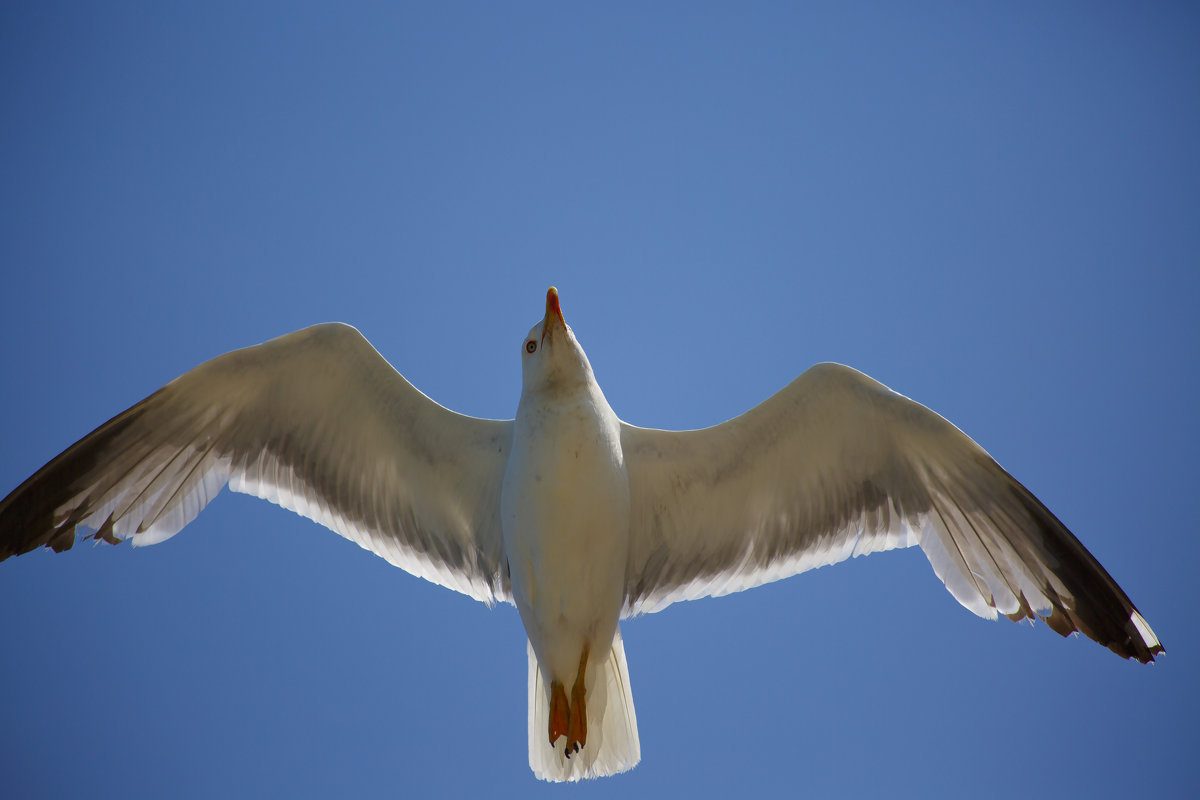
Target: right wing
{"x": 315, "y": 421}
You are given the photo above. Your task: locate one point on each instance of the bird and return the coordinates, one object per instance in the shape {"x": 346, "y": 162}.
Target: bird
{"x": 579, "y": 519}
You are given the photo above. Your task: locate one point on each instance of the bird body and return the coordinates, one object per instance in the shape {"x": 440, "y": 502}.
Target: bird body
{"x": 577, "y": 518}
{"x": 565, "y": 511}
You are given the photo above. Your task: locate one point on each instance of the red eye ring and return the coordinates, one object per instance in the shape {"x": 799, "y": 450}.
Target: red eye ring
{"x": 530, "y": 346}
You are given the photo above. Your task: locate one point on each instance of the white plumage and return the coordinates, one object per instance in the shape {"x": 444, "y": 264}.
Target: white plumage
{"x": 576, "y": 517}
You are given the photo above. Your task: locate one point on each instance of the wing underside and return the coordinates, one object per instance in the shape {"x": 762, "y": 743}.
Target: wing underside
{"x": 837, "y": 465}
{"x": 315, "y": 421}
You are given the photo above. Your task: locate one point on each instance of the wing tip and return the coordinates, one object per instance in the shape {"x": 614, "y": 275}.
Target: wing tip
{"x": 1151, "y": 646}
{"x": 1136, "y": 641}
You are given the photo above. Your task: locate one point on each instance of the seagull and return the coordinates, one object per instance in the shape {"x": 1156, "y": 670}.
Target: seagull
{"x": 577, "y": 518}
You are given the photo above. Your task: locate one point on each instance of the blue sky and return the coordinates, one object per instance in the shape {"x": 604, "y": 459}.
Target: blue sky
{"x": 992, "y": 209}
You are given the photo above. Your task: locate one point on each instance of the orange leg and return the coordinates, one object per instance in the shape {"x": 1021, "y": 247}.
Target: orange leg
{"x": 577, "y": 720}
{"x": 560, "y": 712}
{"x": 569, "y": 718}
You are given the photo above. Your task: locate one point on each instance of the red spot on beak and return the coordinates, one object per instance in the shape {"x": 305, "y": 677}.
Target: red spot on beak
{"x": 553, "y": 312}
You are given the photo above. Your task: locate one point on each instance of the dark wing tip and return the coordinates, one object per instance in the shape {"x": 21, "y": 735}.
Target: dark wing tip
{"x": 1131, "y": 643}
{"x": 27, "y": 514}
{"x": 1095, "y": 605}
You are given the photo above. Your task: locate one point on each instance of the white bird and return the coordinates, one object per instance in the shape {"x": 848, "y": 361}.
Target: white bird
{"x": 577, "y": 518}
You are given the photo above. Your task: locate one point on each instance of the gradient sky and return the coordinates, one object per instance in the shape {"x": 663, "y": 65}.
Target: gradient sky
{"x": 992, "y": 208}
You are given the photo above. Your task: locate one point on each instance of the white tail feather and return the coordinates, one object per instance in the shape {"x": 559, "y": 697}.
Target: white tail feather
{"x": 612, "y": 735}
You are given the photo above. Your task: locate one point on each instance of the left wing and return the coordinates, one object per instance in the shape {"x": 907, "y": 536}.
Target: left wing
{"x": 837, "y": 465}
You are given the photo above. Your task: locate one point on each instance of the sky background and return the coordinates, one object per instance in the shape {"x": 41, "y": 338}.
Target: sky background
{"x": 992, "y": 208}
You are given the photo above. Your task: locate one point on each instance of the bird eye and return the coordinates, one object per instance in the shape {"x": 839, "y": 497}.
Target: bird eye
{"x": 530, "y": 346}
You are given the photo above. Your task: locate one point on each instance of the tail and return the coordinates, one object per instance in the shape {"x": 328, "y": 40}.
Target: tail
{"x": 612, "y": 735}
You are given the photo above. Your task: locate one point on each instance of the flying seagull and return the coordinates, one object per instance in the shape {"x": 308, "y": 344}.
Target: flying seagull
{"x": 577, "y": 518}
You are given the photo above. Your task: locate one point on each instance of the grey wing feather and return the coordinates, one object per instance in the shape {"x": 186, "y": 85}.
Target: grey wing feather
{"x": 837, "y": 465}
{"x": 316, "y": 421}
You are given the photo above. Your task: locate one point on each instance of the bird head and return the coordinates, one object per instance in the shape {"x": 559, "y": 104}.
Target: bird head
{"x": 551, "y": 358}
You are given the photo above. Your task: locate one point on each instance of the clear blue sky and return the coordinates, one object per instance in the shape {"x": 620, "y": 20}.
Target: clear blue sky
{"x": 991, "y": 208}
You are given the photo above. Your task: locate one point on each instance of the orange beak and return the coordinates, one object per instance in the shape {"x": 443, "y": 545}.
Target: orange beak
{"x": 552, "y": 312}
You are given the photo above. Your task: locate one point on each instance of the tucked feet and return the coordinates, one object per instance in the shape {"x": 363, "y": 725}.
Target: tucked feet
{"x": 569, "y": 717}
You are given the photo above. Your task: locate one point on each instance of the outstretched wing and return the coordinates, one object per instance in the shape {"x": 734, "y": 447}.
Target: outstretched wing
{"x": 838, "y": 465}
{"x": 315, "y": 421}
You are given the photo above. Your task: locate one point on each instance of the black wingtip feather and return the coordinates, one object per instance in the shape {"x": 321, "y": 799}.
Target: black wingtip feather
{"x": 1097, "y": 607}
{"x": 27, "y": 513}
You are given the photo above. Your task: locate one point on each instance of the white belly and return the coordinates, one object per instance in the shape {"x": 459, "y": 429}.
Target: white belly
{"x": 565, "y": 515}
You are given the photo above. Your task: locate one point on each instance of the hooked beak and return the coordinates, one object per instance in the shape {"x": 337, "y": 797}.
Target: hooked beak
{"x": 553, "y": 312}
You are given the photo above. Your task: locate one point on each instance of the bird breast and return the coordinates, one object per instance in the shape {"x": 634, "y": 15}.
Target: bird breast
{"x": 565, "y": 517}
